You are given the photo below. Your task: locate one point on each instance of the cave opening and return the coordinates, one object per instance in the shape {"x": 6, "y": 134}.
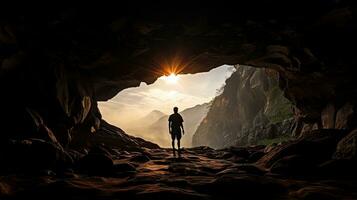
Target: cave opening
{"x": 226, "y": 106}
{"x": 143, "y": 111}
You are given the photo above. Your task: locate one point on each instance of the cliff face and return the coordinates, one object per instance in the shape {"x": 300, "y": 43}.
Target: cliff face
{"x": 250, "y": 108}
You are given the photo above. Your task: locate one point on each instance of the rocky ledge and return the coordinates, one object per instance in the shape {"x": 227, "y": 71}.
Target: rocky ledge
{"x": 307, "y": 168}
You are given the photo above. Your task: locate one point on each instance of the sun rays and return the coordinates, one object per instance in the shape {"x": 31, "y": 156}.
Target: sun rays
{"x": 171, "y": 79}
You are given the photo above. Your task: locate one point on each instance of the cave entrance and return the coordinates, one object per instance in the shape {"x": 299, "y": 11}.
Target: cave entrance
{"x": 226, "y": 106}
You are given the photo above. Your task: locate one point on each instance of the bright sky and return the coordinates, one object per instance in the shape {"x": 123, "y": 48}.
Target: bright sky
{"x": 183, "y": 91}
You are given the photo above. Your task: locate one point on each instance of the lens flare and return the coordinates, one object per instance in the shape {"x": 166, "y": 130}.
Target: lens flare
{"x": 172, "y": 78}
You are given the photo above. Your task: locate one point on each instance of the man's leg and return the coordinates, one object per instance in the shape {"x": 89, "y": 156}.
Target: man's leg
{"x": 178, "y": 146}
{"x": 173, "y": 146}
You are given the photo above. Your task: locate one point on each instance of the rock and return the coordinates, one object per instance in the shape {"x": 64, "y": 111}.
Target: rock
{"x": 97, "y": 162}
{"x": 239, "y": 151}
{"x": 308, "y": 127}
{"x": 252, "y": 169}
{"x": 250, "y": 186}
{"x": 187, "y": 169}
{"x": 328, "y": 116}
{"x": 67, "y": 173}
{"x": 315, "y": 147}
{"x": 124, "y": 167}
{"x": 140, "y": 158}
{"x": 317, "y": 192}
{"x": 99, "y": 149}
{"x": 31, "y": 154}
{"x": 115, "y": 138}
{"x": 338, "y": 168}
{"x": 270, "y": 147}
{"x": 345, "y": 116}
{"x": 75, "y": 155}
{"x": 173, "y": 193}
{"x": 256, "y": 156}
{"x": 293, "y": 165}
{"x": 226, "y": 155}
{"x": 188, "y": 178}
{"x": 347, "y": 147}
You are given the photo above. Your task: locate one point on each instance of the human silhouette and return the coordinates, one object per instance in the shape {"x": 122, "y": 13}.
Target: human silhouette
{"x": 175, "y": 126}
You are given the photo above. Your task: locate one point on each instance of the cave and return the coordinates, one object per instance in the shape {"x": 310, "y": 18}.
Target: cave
{"x": 58, "y": 62}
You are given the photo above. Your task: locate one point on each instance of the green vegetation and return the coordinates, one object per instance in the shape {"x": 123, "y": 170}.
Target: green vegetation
{"x": 274, "y": 140}
{"x": 278, "y": 107}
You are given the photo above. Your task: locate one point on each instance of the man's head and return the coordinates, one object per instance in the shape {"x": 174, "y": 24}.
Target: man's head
{"x": 175, "y": 109}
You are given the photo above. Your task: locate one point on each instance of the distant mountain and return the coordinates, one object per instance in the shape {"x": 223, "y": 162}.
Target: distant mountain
{"x": 152, "y": 117}
{"x": 157, "y": 130}
{"x": 145, "y": 121}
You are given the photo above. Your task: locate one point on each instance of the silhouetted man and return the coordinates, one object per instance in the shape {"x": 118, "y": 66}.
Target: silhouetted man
{"x": 175, "y": 126}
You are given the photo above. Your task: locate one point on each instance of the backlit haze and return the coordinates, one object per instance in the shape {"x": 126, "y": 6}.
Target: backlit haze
{"x": 182, "y": 90}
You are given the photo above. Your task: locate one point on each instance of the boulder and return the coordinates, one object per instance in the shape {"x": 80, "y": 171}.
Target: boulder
{"x": 345, "y": 116}
{"x": 308, "y": 127}
{"x": 269, "y": 147}
{"x": 248, "y": 187}
{"x": 124, "y": 167}
{"x": 318, "y": 192}
{"x": 293, "y": 165}
{"x": 337, "y": 168}
{"x": 347, "y": 147}
{"x": 97, "y": 162}
{"x": 140, "y": 158}
{"x": 32, "y": 155}
{"x": 239, "y": 151}
{"x": 315, "y": 147}
{"x": 255, "y": 156}
{"x": 115, "y": 138}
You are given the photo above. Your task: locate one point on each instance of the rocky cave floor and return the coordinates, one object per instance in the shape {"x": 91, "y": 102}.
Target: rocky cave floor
{"x": 201, "y": 173}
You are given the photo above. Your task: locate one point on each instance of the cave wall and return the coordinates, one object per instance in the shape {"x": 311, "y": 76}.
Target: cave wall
{"x": 56, "y": 62}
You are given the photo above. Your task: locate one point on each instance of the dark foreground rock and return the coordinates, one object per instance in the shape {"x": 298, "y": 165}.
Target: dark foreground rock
{"x": 32, "y": 155}
{"x": 113, "y": 136}
{"x": 304, "y": 154}
{"x": 202, "y": 173}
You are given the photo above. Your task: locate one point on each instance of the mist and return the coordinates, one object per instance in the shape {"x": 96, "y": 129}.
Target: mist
{"x": 143, "y": 111}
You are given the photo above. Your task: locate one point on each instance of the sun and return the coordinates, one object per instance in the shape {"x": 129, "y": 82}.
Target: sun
{"x": 172, "y": 78}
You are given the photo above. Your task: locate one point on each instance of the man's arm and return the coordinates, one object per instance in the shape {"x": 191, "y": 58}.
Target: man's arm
{"x": 170, "y": 127}
{"x": 183, "y": 130}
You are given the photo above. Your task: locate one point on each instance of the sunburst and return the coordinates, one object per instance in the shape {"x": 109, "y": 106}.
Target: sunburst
{"x": 172, "y": 78}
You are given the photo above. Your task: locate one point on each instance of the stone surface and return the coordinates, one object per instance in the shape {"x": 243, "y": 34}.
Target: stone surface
{"x": 32, "y": 155}
{"x": 293, "y": 165}
{"x": 314, "y": 148}
{"x": 97, "y": 162}
{"x": 347, "y": 146}
{"x": 200, "y": 174}
{"x": 345, "y": 117}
